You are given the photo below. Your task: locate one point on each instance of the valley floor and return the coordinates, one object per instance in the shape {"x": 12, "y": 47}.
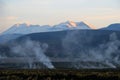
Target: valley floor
{"x": 84, "y": 74}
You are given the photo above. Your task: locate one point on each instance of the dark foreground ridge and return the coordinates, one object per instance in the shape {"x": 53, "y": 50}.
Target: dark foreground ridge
{"x": 85, "y": 74}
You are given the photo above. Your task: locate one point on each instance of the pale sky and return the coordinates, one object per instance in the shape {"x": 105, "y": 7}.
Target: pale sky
{"x": 99, "y": 13}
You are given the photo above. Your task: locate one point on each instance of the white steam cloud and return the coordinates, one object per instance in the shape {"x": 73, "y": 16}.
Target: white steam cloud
{"x": 32, "y": 49}
{"x": 105, "y": 55}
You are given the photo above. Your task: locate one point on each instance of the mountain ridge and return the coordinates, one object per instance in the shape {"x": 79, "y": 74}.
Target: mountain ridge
{"x": 27, "y": 28}
{"x": 114, "y": 26}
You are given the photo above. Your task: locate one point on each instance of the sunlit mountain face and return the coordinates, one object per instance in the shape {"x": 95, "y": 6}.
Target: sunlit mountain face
{"x": 72, "y": 24}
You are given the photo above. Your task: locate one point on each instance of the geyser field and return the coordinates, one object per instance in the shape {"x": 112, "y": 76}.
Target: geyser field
{"x": 75, "y": 49}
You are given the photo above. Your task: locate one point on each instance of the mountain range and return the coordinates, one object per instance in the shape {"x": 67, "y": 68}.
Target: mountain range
{"x": 18, "y": 30}
{"x": 27, "y": 29}
{"x": 68, "y": 25}
{"x": 68, "y": 45}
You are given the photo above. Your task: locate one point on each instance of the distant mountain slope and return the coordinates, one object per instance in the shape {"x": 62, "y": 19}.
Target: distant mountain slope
{"x": 115, "y": 27}
{"x": 81, "y": 48}
{"x": 92, "y": 48}
{"x": 81, "y": 39}
{"x": 27, "y": 29}
{"x": 7, "y": 37}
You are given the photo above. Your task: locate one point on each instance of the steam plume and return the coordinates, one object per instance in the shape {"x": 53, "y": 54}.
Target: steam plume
{"x": 104, "y": 55}
{"x": 34, "y": 49}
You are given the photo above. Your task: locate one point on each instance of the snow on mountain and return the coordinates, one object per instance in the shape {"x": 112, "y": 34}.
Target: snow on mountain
{"x": 27, "y": 29}
{"x": 71, "y": 25}
{"x": 115, "y": 27}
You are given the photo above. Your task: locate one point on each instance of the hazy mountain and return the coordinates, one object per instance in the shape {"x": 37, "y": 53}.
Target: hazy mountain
{"x": 27, "y": 29}
{"x": 115, "y": 27}
{"x": 7, "y": 37}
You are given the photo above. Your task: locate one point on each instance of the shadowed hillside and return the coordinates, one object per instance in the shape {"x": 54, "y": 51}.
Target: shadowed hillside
{"x": 77, "y": 48}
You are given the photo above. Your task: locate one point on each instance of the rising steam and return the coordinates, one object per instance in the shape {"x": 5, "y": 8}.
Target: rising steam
{"x": 32, "y": 49}
{"x": 106, "y": 55}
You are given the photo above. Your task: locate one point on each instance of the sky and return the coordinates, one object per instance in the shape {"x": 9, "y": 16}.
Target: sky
{"x": 99, "y": 13}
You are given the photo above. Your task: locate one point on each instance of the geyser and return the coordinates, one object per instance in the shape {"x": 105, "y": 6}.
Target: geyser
{"x": 83, "y": 54}
{"x": 32, "y": 49}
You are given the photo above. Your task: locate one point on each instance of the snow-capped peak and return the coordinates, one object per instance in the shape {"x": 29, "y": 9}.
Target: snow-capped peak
{"x": 73, "y": 25}
{"x": 67, "y": 24}
{"x": 28, "y": 28}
